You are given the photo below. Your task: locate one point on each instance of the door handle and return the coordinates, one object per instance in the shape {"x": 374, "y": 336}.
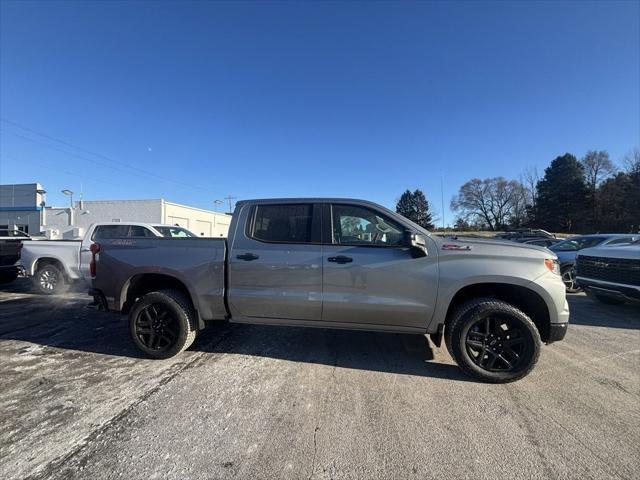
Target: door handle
{"x": 248, "y": 257}
{"x": 340, "y": 259}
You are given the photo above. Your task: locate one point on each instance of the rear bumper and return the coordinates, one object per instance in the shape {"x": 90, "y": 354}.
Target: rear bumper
{"x": 9, "y": 270}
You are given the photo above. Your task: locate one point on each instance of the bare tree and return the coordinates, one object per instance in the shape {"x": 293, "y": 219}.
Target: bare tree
{"x": 530, "y": 179}
{"x": 632, "y": 161}
{"x": 597, "y": 166}
{"x": 494, "y": 201}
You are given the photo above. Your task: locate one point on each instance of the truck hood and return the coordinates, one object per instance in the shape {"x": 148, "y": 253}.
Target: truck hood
{"x": 631, "y": 252}
{"x": 490, "y": 247}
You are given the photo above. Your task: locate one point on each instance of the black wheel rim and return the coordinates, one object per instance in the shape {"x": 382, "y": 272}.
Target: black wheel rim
{"x": 497, "y": 344}
{"x": 156, "y": 327}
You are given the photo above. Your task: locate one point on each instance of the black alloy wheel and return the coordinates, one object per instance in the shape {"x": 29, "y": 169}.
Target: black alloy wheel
{"x": 156, "y": 327}
{"x": 496, "y": 344}
{"x": 492, "y": 340}
{"x": 162, "y": 323}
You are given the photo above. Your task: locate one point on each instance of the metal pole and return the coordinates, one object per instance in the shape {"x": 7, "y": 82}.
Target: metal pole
{"x": 442, "y": 198}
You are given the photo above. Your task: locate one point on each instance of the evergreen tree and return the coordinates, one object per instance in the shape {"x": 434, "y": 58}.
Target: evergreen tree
{"x": 613, "y": 214}
{"x": 562, "y": 197}
{"x": 415, "y": 207}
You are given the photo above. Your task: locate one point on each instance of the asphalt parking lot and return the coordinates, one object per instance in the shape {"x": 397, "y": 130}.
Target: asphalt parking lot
{"x": 77, "y": 401}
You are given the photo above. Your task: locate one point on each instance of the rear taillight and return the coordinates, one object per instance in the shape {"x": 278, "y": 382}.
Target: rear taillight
{"x": 95, "y": 249}
{"x": 20, "y": 246}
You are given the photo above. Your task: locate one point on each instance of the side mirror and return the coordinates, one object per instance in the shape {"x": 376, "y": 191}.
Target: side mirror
{"x": 417, "y": 242}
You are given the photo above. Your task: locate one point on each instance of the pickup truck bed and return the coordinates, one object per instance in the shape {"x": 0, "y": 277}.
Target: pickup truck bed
{"x": 198, "y": 263}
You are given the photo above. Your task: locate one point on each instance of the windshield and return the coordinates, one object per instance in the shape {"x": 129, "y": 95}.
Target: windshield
{"x": 575, "y": 244}
{"x": 174, "y": 232}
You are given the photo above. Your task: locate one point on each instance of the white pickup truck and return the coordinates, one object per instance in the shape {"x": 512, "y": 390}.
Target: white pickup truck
{"x": 53, "y": 264}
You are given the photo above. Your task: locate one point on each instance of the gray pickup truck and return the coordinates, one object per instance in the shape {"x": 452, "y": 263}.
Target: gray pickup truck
{"x": 338, "y": 263}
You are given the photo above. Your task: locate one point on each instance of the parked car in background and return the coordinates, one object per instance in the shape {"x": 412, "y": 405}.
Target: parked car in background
{"x": 568, "y": 249}
{"x": 12, "y": 234}
{"x": 10, "y": 251}
{"x": 540, "y": 242}
{"x": 610, "y": 274}
{"x": 339, "y": 263}
{"x": 525, "y": 233}
{"x": 173, "y": 231}
{"x": 53, "y": 264}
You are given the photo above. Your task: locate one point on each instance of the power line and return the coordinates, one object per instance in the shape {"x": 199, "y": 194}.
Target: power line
{"x": 105, "y": 157}
{"x": 62, "y": 170}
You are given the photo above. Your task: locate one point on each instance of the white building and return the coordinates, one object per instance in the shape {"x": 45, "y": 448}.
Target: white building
{"x": 23, "y": 206}
{"x": 204, "y": 223}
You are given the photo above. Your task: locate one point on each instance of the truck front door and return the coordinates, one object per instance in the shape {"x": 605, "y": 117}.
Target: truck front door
{"x": 370, "y": 275}
{"x": 275, "y": 262}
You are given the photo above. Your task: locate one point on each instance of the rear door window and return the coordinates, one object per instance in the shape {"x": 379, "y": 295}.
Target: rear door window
{"x": 284, "y": 223}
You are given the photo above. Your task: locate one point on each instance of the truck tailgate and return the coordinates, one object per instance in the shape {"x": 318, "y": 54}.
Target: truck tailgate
{"x": 198, "y": 263}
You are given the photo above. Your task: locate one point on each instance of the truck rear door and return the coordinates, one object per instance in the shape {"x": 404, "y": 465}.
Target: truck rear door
{"x": 275, "y": 262}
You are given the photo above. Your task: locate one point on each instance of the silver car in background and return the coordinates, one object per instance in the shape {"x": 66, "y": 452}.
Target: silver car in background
{"x": 568, "y": 249}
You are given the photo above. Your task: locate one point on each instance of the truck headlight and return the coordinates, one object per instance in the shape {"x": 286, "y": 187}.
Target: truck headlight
{"x": 552, "y": 265}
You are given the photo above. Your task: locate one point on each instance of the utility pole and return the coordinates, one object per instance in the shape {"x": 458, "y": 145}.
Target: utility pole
{"x": 229, "y": 198}
{"x": 442, "y": 199}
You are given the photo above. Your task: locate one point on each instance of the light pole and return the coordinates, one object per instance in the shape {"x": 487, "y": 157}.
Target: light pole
{"x": 216, "y": 203}
{"x": 43, "y": 212}
{"x": 69, "y": 193}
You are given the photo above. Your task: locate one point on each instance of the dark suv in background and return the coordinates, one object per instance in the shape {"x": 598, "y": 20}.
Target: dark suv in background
{"x": 10, "y": 247}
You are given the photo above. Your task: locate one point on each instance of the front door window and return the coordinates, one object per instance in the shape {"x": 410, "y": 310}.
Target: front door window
{"x": 353, "y": 225}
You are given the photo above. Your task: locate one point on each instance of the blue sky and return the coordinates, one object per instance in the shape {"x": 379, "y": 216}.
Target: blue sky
{"x": 260, "y": 99}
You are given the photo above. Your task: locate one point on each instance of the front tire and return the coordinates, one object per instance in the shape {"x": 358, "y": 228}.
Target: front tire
{"x": 493, "y": 341}
{"x": 162, "y": 323}
{"x": 49, "y": 280}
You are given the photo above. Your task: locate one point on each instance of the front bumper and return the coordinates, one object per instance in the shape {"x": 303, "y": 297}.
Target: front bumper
{"x": 629, "y": 293}
{"x": 557, "y": 331}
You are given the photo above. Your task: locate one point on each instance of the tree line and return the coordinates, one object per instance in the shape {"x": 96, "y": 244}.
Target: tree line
{"x": 591, "y": 194}
{"x": 585, "y": 195}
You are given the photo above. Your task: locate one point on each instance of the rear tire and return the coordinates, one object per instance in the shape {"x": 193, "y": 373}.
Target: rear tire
{"x": 162, "y": 324}
{"x": 49, "y": 280}
{"x": 493, "y": 341}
